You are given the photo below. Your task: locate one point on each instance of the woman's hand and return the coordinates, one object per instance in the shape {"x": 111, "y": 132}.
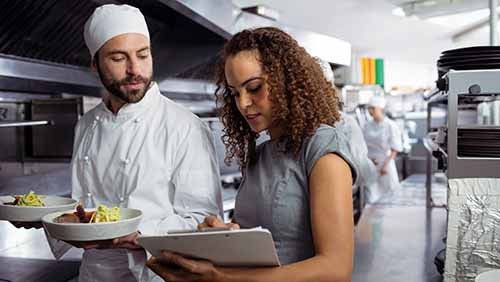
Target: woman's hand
{"x": 213, "y": 221}
{"x": 173, "y": 267}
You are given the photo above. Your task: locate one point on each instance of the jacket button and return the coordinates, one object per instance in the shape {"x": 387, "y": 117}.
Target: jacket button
{"x": 86, "y": 158}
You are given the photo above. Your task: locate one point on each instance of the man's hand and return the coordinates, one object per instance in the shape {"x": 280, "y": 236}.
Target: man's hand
{"x": 27, "y": 225}
{"x": 125, "y": 242}
{"x": 383, "y": 171}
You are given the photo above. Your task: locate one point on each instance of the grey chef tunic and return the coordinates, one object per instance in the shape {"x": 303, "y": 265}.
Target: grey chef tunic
{"x": 274, "y": 193}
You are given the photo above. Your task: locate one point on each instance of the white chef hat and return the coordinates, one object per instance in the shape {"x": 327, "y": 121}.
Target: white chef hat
{"x": 112, "y": 20}
{"x": 330, "y": 77}
{"x": 377, "y": 101}
{"x": 327, "y": 70}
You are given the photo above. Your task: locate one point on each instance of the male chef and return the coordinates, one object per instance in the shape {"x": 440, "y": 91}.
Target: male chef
{"x": 137, "y": 149}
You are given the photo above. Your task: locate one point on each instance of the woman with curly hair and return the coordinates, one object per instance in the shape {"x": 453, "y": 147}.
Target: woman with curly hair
{"x": 297, "y": 184}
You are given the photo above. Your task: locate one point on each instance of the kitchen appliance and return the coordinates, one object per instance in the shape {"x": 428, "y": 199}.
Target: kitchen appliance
{"x": 64, "y": 114}
{"x": 471, "y": 146}
{"x": 467, "y": 146}
{"x": 38, "y": 129}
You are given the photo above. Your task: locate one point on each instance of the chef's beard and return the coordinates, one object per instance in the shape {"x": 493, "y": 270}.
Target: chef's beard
{"x": 132, "y": 96}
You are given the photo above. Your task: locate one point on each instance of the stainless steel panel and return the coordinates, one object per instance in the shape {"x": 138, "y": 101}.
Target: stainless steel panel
{"x": 42, "y": 48}
{"x": 27, "y": 75}
{"x": 218, "y": 20}
{"x": 50, "y": 31}
{"x": 187, "y": 89}
{"x": 459, "y": 84}
{"x": 9, "y": 137}
{"x": 37, "y": 70}
{"x": 54, "y": 141}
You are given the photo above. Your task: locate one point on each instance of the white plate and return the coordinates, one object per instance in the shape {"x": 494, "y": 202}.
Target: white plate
{"x": 33, "y": 214}
{"x": 489, "y": 276}
{"x": 129, "y": 223}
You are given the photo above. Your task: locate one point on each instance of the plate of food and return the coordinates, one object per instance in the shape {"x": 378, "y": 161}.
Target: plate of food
{"x": 31, "y": 207}
{"x": 102, "y": 223}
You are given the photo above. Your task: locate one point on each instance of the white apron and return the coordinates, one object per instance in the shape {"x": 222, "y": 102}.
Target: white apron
{"x": 381, "y": 138}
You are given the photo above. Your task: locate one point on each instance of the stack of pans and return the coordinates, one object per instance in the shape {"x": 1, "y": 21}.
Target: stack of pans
{"x": 470, "y": 58}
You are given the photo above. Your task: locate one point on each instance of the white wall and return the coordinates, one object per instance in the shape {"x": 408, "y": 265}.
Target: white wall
{"x": 409, "y": 74}
{"x": 399, "y": 72}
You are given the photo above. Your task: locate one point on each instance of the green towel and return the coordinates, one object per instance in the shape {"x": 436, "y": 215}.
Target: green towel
{"x": 379, "y": 72}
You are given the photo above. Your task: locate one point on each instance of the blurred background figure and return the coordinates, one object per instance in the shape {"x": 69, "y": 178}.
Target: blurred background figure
{"x": 383, "y": 139}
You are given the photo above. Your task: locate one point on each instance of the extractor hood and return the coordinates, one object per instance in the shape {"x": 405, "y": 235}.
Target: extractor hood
{"x": 42, "y": 48}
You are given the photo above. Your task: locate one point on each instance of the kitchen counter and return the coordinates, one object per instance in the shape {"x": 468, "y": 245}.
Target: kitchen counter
{"x": 25, "y": 256}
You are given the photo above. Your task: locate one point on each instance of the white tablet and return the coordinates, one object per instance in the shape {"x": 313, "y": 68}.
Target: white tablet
{"x": 240, "y": 247}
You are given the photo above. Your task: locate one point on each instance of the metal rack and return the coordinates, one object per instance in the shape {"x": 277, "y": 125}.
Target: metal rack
{"x": 469, "y": 86}
{"x": 464, "y": 90}
{"x": 432, "y": 147}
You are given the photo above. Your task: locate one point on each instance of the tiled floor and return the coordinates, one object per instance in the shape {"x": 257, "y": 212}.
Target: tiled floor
{"x": 398, "y": 238}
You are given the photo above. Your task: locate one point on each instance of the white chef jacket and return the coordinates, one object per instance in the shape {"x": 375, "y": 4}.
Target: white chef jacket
{"x": 381, "y": 138}
{"x": 153, "y": 155}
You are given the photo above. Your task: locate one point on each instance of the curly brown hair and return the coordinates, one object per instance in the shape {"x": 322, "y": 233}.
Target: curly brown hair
{"x": 301, "y": 97}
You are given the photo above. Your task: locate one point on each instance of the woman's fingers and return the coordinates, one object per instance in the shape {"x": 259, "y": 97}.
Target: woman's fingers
{"x": 171, "y": 258}
{"x": 167, "y": 266}
{"x": 160, "y": 269}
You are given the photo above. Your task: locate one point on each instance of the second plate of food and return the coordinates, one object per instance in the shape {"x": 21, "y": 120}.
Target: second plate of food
{"x": 91, "y": 225}
{"x": 32, "y": 207}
